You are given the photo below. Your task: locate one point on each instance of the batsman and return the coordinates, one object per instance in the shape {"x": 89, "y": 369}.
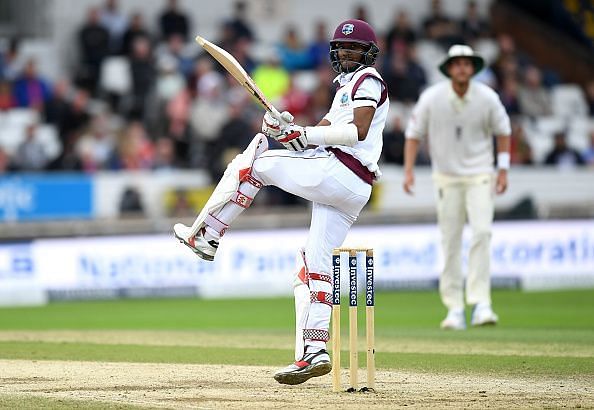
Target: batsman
{"x": 332, "y": 164}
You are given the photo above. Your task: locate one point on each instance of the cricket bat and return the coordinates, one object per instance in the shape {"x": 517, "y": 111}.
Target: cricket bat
{"x": 236, "y": 70}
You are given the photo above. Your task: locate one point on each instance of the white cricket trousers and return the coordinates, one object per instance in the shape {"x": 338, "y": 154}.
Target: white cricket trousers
{"x": 337, "y": 194}
{"x": 460, "y": 198}
{"x": 337, "y": 197}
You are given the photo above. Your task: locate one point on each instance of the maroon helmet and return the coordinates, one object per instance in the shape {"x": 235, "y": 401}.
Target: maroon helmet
{"x": 354, "y": 31}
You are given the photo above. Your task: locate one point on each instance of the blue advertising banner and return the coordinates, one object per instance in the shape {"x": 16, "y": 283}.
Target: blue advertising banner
{"x": 29, "y": 197}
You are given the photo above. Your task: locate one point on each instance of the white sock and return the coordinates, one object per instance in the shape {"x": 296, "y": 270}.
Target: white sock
{"x": 315, "y": 346}
{"x": 211, "y": 235}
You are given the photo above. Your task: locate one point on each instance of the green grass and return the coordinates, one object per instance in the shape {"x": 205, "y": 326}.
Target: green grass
{"x": 395, "y": 312}
{"x": 526, "y": 319}
{"x": 32, "y": 402}
{"x": 434, "y": 362}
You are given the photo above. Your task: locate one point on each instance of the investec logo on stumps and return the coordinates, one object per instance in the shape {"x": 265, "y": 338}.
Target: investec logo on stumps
{"x": 353, "y": 281}
{"x": 369, "y": 283}
{"x": 336, "y": 281}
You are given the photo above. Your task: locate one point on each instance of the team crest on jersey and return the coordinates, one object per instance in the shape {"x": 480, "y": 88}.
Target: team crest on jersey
{"x": 348, "y": 29}
{"x": 344, "y": 100}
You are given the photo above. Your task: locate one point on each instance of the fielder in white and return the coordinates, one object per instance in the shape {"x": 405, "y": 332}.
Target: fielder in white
{"x": 459, "y": 117}
{"x": 332, "y": 164}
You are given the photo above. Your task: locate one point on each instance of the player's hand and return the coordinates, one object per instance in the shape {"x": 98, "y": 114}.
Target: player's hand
{"x": 293, "y": 138}
{"x": 409, "y": 182}
{"x": 272, "y": 127}
{"x": 501, "y": 183}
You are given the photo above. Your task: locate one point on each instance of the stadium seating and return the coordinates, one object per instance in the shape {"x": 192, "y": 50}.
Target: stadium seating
{"x": 568, "y": 101}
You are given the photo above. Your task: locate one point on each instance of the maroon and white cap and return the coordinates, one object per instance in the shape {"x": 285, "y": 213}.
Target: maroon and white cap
{"x": 355, "y": 31}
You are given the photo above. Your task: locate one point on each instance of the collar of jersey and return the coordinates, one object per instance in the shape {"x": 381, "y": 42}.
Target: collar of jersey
{"x": 343, "y": 78}
{"x": 455, "y": 97}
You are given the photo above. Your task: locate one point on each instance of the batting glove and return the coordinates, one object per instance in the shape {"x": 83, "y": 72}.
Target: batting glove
{"x": 293, "y": 138}
{"x": 272, "y": 127}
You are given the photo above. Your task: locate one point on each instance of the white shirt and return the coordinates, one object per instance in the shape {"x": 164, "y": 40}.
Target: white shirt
{"x": 368, "y": 94}
{"x": 459, "y": 130}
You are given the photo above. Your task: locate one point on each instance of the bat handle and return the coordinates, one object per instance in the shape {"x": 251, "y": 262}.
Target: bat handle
{"x": 277, "y": 115}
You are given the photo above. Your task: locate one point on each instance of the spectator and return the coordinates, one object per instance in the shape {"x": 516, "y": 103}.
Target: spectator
{"x": 135, "y": 30}
{"x": 5, "y": 162}
{"x": 404, "y": 78}
{"x": 176, "y": 48}
{"x": 210, "y": 109}
{"x": 96, "y": 146}
{"x": 318, "y": 49}
{"x": 589, "y": 152}
{"x": 241, "y": 52}
{"x": 172, "y": 21}
{"x": 393, "y": 150}
{"x": 472, "y": 25}
{"x": 116, "y": 24}
{"x": 93, "y": 41}
{"x": 401, "y": 34}
{"x": 361, "y": 13}
{"x": 31, "y": 154}
{"x": 164, "y": 154}
{"x": 509, "y": 96}
{"x": 143, "y": 76}
{"x": 68, "y": 160}
{"x": 319, "y": 101}
{"x": 7, "y": 100}
{"x": 135, "y": 151}
{"x": 562, "y": 155}
{"x": 292, "y": 53}
{"x": 520, "y": 150}
{"x": 31, "y": 90}
{"x": 74, "y": 117}
{"x": 590, "y": 97}
{"x": 169, "y": 80}
{"x": 12, "y": 61}
{"x": 440, "y": 28}
{"x": 533, "y": 98}
{"x": 238, "y": 25}
{"x": 295, "y": 100}
{"x": 59, "y": 103}
{"x": 178, "y": 129}
{"x": 234, "y": 135}
{"x": 131, "y": 202}
{"x": 509, "y": 61}
{"x": 272, "y": 78}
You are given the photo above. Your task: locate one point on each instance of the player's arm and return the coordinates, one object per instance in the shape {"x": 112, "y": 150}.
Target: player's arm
{"x": 416, "y": 129}
{"x": 502, "y": 129}
{"x": 365, "y": 101}
{"x": 362, "y": 117}
{"x": 503, "y": 159}
{"x": 411, "y": 148}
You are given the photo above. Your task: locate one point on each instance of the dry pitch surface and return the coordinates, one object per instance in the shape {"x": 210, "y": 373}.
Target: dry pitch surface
{"x": 218, "y": 386}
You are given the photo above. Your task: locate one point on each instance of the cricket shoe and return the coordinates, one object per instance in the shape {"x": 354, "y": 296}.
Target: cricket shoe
{"x": 482, "y": 315}
{"x": 311, "y": 365}
{"x": 197, "y": 243}
{"x": 455, "y": 320}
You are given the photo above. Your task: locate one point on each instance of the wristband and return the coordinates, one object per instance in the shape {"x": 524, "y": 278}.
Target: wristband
{"x": 503, "y": 160}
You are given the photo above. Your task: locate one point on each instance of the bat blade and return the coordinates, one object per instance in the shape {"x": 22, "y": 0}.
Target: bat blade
{"x": 237, "y": 71}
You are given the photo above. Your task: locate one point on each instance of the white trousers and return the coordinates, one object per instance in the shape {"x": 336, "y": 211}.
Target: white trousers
{"x": 337, "y": 197}
{"x": 460, "y": 198}
{"x": 337, "y": 194}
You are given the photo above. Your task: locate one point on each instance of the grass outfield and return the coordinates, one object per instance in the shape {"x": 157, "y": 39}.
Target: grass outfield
{"x": 527, "y": 320}
{"x": 543, "y": 335}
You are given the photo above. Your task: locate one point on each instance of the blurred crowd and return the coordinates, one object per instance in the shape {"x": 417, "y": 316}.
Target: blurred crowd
{"x": 140, "y": 98}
